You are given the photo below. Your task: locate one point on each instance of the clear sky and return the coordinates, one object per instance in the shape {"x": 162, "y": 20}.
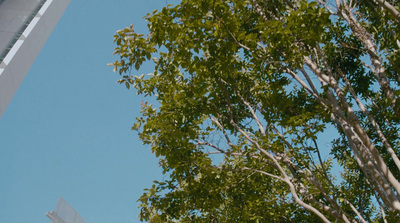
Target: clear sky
{"x": 67, "y": 131}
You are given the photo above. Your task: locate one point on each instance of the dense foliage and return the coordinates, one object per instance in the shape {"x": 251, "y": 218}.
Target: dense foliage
{"x": 244, "y": 90}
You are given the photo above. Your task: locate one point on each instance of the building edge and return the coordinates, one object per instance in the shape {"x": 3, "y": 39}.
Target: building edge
{"x": 23, "y": 53}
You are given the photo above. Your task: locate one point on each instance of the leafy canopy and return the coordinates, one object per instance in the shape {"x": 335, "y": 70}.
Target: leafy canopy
{"x": 244, "y": 90}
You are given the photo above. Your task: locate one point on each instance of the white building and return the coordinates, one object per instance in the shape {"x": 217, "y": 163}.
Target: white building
{"x": 25, "y": 26}
{"x": 64, "y": 213}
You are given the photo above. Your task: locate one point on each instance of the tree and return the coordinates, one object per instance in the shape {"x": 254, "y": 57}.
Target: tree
{"x": 244, "y": 89}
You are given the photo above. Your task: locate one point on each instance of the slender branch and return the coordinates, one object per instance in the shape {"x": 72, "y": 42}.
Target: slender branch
{"x": 383, "y": 215}
{"x": 215, "y": 121}
{"x": 309, "y": 80}
{"x": 374, "y": 123}
{"x": 335, "y": 212}
{"x": 390, "y": 8}
{"x": 326, "y": 7}
{"x": 321, "y": 100}
{"x": 271, "y": 157}
{"x": 265, "y": 173}
{"x": 375, "y": 162}
{"x": 360, "y": 217}
{"x": 211, "y": 145}
{"x": 322, "y": 163}
{"x": 260, "y": 126}
{"x": 366, "y": 167}
{"x": 366, "y": 38}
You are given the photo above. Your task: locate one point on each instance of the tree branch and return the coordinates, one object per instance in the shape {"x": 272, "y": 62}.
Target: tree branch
{"x": 390, "y": 8}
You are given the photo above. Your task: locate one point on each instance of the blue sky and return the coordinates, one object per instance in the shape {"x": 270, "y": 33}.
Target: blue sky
{"x": 67, "y": 131}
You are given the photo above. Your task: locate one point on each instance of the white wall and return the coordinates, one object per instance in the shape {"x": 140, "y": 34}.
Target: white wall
{"x": 13, "y": 14}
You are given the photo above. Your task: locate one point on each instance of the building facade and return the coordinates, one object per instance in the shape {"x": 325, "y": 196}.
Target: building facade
{"x": 25, "y": 25}
{"x": 64, "y": 213}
